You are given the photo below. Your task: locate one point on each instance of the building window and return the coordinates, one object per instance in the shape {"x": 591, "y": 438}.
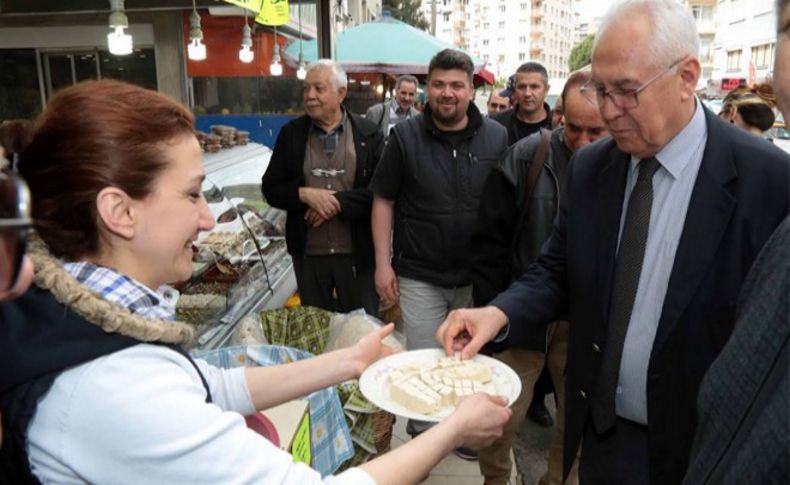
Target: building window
{"x": 734, "y": 60}
{"x": 522, "y": 39}
{"x": 485, "y": 41}
{"x": 446, "y": 17}
{"x": 248, "y": 95}
{"x": 502, "y": 8}
{"x": 502, "y": 25}
{"x": 522, "y": 56}
{"x": 763, "y": 56}
{"x": 20, "y": 96}
{"x": 524, "y": 6}
{"x": 63, "y": 69}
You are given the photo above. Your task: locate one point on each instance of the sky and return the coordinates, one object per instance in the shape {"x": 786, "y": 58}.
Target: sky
{"x": 589, "y": 9}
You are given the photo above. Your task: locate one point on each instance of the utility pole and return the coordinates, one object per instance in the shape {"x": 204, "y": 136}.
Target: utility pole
{"x": 433, "y": 17}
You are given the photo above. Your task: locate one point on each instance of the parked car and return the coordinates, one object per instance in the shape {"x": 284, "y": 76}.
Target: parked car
{"x": 780, "y": 135}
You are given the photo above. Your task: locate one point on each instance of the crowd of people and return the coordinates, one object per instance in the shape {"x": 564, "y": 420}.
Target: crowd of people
{"x": 628, "y": 243}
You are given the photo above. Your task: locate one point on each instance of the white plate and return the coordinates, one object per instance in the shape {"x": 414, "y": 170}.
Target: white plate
{"x": 374, "y": 382}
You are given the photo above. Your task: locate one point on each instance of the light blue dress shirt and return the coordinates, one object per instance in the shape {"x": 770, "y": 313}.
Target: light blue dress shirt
{"x": 673, "y": 184}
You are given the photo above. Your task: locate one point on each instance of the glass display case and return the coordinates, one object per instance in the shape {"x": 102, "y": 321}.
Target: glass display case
{"x": 240, "y": 266}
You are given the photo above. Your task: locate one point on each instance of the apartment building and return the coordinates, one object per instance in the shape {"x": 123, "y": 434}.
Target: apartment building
{"x": 744, "y": 41}
{"x": 704, "y": 12}
{"x": 507, "y": 33}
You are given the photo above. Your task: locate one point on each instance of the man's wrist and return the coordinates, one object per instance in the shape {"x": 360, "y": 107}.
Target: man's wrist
{"x": 503, "y": 322}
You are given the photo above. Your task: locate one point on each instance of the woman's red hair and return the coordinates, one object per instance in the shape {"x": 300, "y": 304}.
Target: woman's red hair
{"x": 93, "y": 135}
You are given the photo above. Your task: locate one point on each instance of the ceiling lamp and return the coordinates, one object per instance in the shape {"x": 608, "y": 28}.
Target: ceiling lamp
{"x": 245, "y": 54}
{"x": 301, "y": 72}
{"x": 196, "y": 50}
{"x": 276, "y": 69}
{"x": 119, "y": 42}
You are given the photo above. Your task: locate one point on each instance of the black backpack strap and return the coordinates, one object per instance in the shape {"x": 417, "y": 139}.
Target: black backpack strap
{"x": 529, "y": 187}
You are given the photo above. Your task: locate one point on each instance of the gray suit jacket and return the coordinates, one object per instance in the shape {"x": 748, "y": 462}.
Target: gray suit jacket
{"x": 380, "y": 114}
{"x": 742, "y": 435}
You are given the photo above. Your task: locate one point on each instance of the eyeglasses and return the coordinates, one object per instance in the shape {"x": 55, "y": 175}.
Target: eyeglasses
{"x": 622, "y": 98}
{"x": 15, "y": 227}
{"x": 327, "y": 172}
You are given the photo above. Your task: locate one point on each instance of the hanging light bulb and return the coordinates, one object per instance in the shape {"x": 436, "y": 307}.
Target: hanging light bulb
{"x": 245, "y": 54}
{"x": 301, "y": 72}
{"x": 276, "y": 69}
{"x": 196, "y": 50}
{"x": 119, "y": 42}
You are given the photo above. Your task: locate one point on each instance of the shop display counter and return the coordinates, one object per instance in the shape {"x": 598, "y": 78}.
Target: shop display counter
{"x": 241, "y": 266}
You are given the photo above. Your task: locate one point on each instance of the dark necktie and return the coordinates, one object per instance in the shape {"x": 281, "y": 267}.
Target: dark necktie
{"x": 626, "y": 280}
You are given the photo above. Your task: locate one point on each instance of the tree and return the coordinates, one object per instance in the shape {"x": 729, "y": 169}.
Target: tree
{"x": 407, "y": 11}
{"x": 581, "y": 55}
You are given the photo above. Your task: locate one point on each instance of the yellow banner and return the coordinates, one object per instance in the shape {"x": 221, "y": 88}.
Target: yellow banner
{"x": 273, "y": 12}
{"x": 254, "y": 5}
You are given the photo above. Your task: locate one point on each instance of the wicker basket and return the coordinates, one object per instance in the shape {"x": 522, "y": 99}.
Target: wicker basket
{"x": 382, "y": 430}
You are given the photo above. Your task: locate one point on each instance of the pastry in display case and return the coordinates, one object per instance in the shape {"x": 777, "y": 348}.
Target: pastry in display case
{"x": 242, "y": 264}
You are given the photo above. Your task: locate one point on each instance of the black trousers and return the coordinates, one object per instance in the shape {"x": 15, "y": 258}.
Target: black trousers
{"x": 617, "y": 457}
{"x": 334, "y": 283}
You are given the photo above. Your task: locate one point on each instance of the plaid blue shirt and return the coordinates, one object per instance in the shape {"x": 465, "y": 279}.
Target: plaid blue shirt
{"x": 124, "y": 291}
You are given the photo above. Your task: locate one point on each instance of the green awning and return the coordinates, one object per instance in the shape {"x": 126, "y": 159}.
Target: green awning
{"x": 385, "y": 45}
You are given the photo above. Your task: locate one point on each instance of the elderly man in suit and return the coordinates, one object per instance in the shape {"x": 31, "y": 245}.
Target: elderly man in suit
{"x": 655, "y": 234}
{"x": 390, "y": 113}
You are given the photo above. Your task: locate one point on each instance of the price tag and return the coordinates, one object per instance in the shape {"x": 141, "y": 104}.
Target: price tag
{"x": 300, "y": 447}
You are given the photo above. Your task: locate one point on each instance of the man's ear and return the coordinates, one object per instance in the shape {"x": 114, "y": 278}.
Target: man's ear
{"x": 115, "y": 210}
{"x": 342, "y": 91}
{"x": 689, "y": 70}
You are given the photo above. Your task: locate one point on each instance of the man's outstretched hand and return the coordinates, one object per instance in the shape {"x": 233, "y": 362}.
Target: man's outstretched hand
{"x": 468, "y": 329}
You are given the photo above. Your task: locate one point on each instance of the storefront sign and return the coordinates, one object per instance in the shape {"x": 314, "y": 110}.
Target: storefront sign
{"x": 730, "y": 83}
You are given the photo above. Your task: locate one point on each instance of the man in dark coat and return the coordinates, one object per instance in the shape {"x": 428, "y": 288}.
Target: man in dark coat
{"x": 499, "y": 255}
{"x": 653, "y": 241}
{"x": 319, "y": 174}
{"x": 530, "y": 112}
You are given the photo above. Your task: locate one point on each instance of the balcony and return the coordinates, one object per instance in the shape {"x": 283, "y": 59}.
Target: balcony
{"x": 535, "y": 50}
{"x": 706, "y": 27}
{"x": 537, "y": 15}
{"x": 536, "y": 34}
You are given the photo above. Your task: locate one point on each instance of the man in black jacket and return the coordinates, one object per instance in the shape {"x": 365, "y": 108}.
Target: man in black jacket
{"x": 427, "y": 189}
{"x": 499, "y": 256}
{"x": 531, "y": 112}
{"x": 319, "y": 173}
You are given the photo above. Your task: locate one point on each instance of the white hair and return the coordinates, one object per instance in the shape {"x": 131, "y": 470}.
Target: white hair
{"x": 338, "y": 75}
{"x": 674, "y": 33}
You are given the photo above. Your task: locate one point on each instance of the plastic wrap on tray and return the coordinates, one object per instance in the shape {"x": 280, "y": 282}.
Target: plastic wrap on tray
{"x": 346, "y": 329}
{"x": 249, "y": 331}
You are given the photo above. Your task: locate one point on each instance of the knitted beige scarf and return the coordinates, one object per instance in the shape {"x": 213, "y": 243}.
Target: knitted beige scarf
{"x": 50, "y": 275}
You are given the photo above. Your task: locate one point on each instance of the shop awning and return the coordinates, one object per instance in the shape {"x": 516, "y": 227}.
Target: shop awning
{"x": 385, "y": 45}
